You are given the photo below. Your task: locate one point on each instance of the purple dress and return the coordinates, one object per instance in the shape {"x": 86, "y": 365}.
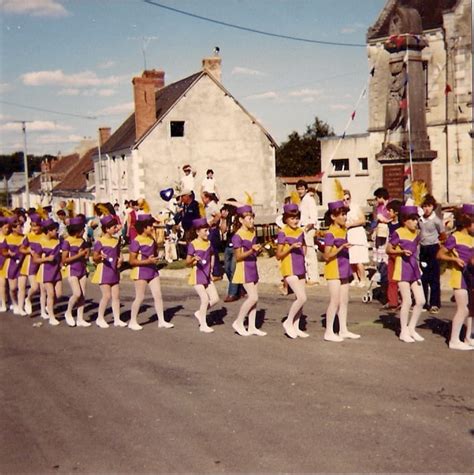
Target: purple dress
{"x": 107, "y": 272}
{"x": 338, "y": 268}
{"x": 246, "y": 270}
{"x": 73, "y": 245}
{"x": 32, "y": 242}
{"x": 406, "y": 268}
{"x": 293, "y": 263}
{"x": 201, "y": 272}
{"x": 13, "y": 263}
{"x": 50, "y": 272}
{"x": 144, "y": 247}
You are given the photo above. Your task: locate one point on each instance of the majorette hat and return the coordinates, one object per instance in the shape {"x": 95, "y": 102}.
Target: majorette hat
{"x": 468, "y": 208}
{"x": 145, "y": 217}
{"x": 107, "y": 220}
{"x": 244, "y": 209}
{"x": 35, "y": 218}
{"x": 48, "y": 222}
{"x": 200, "y": 223}
{"x": 408, "y": 210}
{"x": 77, "y": 220}
{"x": 290, "y": 208}
{"x": 336, "y": 205}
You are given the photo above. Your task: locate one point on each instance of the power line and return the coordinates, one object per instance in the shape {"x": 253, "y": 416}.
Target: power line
{"x": 48, "y": 110}
{"x": 252, "y": 30}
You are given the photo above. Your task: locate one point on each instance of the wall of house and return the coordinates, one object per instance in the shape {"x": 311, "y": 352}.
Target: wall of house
{"x": 361, "y": 183}
{"x": 217, "y": 135}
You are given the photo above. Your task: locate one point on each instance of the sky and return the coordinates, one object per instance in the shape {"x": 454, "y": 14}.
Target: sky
{"x": 78, "y": 57}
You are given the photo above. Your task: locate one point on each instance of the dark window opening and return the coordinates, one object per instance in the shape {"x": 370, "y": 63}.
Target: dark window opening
{"x": 177, "y": 128}
{"x": 340, "y": 165}
{"x": 363, "y": 165}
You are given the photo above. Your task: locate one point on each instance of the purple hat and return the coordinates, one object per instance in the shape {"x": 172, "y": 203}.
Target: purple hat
{"x": 3, "y": 220}
{"x": 108, "y": 219}
{"x": 47, "y": 222}
{"x": 407, "y": 210}
{"x": 200, "y": 223}
{"x": 12, "y": 219}
{"x": 290, "y": 208}
{"x": 336, "y": 205}
{"x": 144, "y": 217}
{"x": 35, "y": 218}
{"x": 468, "y": 208}
{"x": 78, "y": 220}
{"x": 244, "y": 209}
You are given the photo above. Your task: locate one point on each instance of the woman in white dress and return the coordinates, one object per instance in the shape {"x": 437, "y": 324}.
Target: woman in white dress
{"x": 356, "y": 235}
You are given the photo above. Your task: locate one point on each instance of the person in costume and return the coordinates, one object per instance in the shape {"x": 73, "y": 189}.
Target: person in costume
{"x": 48, "y": 256}
{"x": 246, "y": 250}
{"x": 106, "y": 255}
{"x": 458, "y": 251}
{"x": 404, "y": 246}
{"x": 14, "y": 260}
{"x": 4, "y": 230}
{"x": 337, "y": 271}
{"x": 199, "y": 258}
{"x": 29, "y": 269}
{"x": 143, "y": 259}
{"x": 290, "y": 252}
{"x": 75, "y": 253}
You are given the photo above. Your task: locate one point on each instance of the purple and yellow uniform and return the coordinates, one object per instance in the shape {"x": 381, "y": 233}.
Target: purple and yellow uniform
{"x": 246, "y": 270}
{"x": 339, "y": 267}
{"x": 13, "y": 263}
{"x": 107, "y": 272}
{"x": 144, "y": 247}
{"x": 73, "y": 245}
{"x": 201, "y": 272}
{"x": 49, "y": 272}
{"x": 32, "y": 242}
{"x": 406, "y": 268}
{"x": 293, "y": 263}
{"x": 3, "y": 258}
{"x": 461, "y": 245}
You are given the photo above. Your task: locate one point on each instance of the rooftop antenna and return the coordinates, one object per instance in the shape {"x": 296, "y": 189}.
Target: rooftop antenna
{"x": 25, "y": 160}
{"x": 145, "y": 42}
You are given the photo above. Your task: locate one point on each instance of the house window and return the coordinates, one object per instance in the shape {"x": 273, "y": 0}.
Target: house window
{"x": 340, "y": 165}
{"x": 177, "y": 128}
{"x": 363, "y": 165}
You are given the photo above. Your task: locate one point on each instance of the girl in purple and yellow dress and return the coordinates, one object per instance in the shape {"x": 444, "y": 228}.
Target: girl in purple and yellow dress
{"x": 246, "y": 250}
{"x": 4, "y": 230}
{"x": 106, "y": 254}
{"x": 75, "y": 253}
{"x": 199, "y": 258}
{"x": 337, "y": 271}
{"x": 457, "y": 251}
{"x": 14, "y": 260}
{"x": 48, "y": 256}
{"x": 31, "y": 243}
{"x": 143, "y": 259}
{"x": 404, "y": 245}
{"x": 290, "y": 252}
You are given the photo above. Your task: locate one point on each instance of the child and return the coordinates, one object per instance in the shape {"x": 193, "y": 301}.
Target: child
{"x": 29, "y": 269}
{"x": 106, "y": 254}
{"x": 457, "y": 251}
{"x": 4, "y": 229}
{"x": 143, "y": 259}
{"x": 393, "y": 208}
{"x": 337, "y": 271}
{"x": 75, "y": 253}
{"x": 48, "y": 255}
{"x": 468, "y": 274}
{"x": 246, "y": 250}
{"x": 404, "y": 246}
{"x": 290, "y": 252}
{"x": 199, "y": 258}
{"x": 171, "y": 241}
{"x": 13, "y": 262}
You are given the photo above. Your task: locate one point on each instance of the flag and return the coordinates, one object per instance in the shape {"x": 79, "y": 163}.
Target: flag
{"x": 447, "y": 89}
{"x": 399, "y": 40}
{"x": 353, "y": 115}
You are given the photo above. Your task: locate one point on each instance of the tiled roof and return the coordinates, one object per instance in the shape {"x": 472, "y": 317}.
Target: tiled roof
{"x": 74, "y": 178}
{"x": 124, "y": 136}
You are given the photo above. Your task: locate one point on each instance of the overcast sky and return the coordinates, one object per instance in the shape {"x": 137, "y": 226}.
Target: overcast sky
{"x": 79, "y": 56}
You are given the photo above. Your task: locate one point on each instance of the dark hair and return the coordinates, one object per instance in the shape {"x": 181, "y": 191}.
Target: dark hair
{"x": 302, "y": 184}
{"x": 405, "y": 217}
{"x": 394, "y": 205}
{"x": 429, "y": 200}
{"x": 140, "y": 226}
{"x": 211, "y": 196}
{"x": 61, "y": 212}
{"x": 381, "y": 193}
{"x": 50, "y": 227}
{"x": 334, "y": 212}
{"x": 462, "y": 220}
{"x": 291, "y": 214}
{"x": 73, "y": 229}
{"x": 109, "y": 225}
{"x": 210, "y": 171}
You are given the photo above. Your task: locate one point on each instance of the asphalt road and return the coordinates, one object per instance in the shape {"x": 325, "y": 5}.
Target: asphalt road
{"x": 89, "y": 400}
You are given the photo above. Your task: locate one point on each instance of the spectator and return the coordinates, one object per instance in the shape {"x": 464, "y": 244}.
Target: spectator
{"x": 213, "y": 217}
{"x": 62, "y": 231}
{"x": 188, "y": 211}
{"x": 208, "y": 185}
{"x": 187, "y": 180}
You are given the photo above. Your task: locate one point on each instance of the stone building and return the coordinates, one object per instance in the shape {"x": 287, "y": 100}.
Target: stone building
{"x": 193, "y": 121}
{"x": 420, "y": 105}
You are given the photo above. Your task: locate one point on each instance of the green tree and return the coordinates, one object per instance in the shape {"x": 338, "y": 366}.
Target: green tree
{"x": 14, "y": 163}
{"x": 301, "y": 154}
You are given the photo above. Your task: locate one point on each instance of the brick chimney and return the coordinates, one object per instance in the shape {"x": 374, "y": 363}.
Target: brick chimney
{"x": 144, "y": 89}
{"x": 212, "y": 65}
{"x": 104, "y": 135}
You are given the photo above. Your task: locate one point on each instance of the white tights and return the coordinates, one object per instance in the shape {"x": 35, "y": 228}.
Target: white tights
{"x": 140, "y": 289}
{"x": 417, "y": 289}
{"x": 208, "y": 296}
{"x": 461, "y": 314}
{"x": 297, "y": 285}
{"x": 248, "y": 307}
{"x": 78, "y": 288}
{"x": 109, "y": 292}
{"x": 338, "y": 303}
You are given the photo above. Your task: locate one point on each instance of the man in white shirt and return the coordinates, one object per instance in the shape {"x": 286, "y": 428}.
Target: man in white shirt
{"x": 208, "y": 185}
{"x": 187, "y": 180}
{"x": 309, "y": 223}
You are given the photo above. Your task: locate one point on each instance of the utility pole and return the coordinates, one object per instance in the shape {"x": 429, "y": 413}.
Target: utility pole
{"x": 25, "y": 162}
